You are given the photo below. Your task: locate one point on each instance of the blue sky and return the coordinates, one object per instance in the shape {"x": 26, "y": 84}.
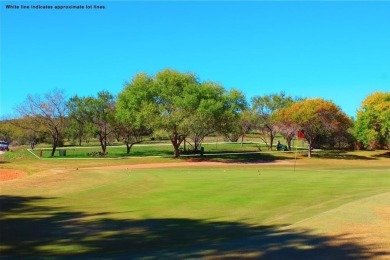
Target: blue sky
{"x": 339, "y": 51}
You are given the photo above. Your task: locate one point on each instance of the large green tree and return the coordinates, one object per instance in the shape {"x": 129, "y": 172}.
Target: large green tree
{"x": 99, "y": 113}
{"x": 372, "y": 127}
{"x": 315, "y": 117}
{"x": 135, "y": 109}
{"x": 264, "y": 107}
{"x": 177, "y": 104}
{"x": 239, "y": 121}
{"x": 217, "y": 110}
{"x": 207, "y": 107}
{"x": 79, "y": 127}
{"x": 176, "y": 96}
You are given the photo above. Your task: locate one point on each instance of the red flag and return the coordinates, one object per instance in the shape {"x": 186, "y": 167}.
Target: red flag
{"x": 301, "y": 135}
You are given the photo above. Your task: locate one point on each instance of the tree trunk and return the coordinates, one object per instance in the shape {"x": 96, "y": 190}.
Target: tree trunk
{"x": 128, "y": 147}
{"x": 190, "y": 146}
{"x": 176, "y": 144}
{"x": 271, "y": 141}
{"x": 103, "y": 143}
{"x": 176, "y": 151}
{"x": 309, "y": 150}
{"x": 242, "y": 140}
{"x": 197, "y": 143}
{"x": 289, "y": 139}
{"x": 264, "y": 139}
{"x": 79, "y": 140}
{"x": 55, "y": 142}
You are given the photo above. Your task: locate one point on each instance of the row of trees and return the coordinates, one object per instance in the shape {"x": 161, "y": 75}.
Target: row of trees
{"x": 187, "y": 110}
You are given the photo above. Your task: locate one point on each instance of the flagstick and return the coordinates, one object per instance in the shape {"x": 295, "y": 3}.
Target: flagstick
{"x": 296, "y": 151}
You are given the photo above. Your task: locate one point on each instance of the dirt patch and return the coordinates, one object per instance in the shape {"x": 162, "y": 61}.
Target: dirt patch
{"x": 180, "y": 164}
{"x": 8, "y": 174}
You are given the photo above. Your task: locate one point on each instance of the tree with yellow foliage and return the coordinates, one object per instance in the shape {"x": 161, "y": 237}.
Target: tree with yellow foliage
{"x": 372, "y": 127}
{"x": 314, "y": 117}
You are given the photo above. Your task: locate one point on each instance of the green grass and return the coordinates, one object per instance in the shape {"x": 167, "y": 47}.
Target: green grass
{"x": 142, "y": 150}
{"x": 145, "y": 150}
{"x": 62, "y": 210}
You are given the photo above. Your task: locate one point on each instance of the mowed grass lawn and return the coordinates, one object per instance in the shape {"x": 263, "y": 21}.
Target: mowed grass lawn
{"x": 63, "y": 209}
{"x": 145, "y": 150}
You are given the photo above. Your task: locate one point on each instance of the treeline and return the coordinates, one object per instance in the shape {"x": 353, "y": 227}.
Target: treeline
{"x": 185, "y": 109}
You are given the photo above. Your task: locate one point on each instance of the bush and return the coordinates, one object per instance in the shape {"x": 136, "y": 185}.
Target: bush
{"x": 97, "y": 154}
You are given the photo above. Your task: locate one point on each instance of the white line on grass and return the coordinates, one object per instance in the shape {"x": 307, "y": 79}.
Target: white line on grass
{"x": 30, "y": 150}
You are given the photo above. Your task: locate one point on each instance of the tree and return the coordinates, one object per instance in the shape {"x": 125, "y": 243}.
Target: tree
{"x": 79, "y": 126}
{"x": 7, "y": 130}
{"x": 315, "y": 117}
{"x": 176, "y": 99}
{"x": 45, "y": 115}
{"x": 372, "y": 127}
{"x": 177, "y": 104}
{"x": 217, "y": 111}
{"x": 135, "y": 110}
{"x": 98, "y": 112}
{"x": 282, "y": 121}
{"x": 342, "y": 139}
{"x": 207, "y": 108}
{"x": 11, "y": 131}
{"x": 264, "y": 107}
{"x": 238, "y": 120}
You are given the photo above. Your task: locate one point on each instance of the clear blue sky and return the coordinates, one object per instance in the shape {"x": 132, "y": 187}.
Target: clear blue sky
{"x": 339, "y": 51}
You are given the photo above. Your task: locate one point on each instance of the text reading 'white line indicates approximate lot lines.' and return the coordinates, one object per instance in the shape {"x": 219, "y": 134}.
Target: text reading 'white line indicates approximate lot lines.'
{"x": 54, "y": 7}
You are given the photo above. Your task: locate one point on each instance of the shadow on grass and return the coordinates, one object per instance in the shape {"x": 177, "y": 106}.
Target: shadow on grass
{"x": 93, "y": 154}
{"x": 3, "y": 162}
{"x": 242, "y": 157}
{"x": 29, "y": 229}
{"x": 383, "y": 155}
{"x": 340, "y": 155}
{"x": 142, "y": 153}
